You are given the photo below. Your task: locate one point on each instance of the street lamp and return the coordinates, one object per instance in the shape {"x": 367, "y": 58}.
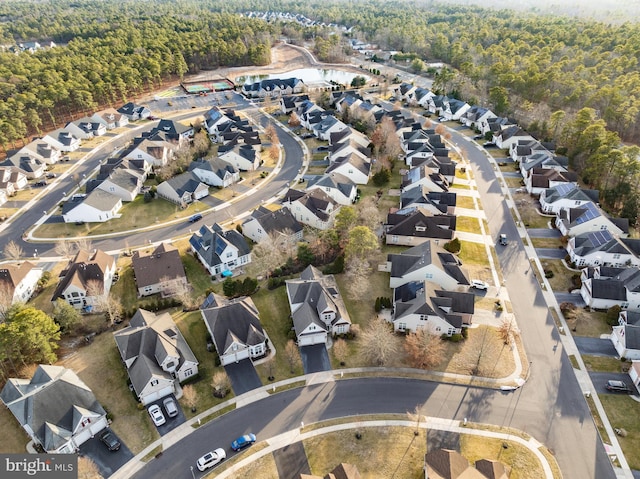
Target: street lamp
{"x": 192, "y": 474}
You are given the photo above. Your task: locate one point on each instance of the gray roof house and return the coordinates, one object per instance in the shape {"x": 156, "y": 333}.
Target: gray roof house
{"x": 317, "y": 307}
{"x": 31, "y": 167}
{"x": 155, "y": 354}
{"x": 159, "y": 271}
{"x": 426, "y": 261}
{"x": 215, "y": 172}
{"x": 626, "y": 340}
{"x": 412, "y": 226}
{"x": 220, "y": 251}
{"x": 566, "y": 195}
{"x": 236, "y": 331}
{"x": 589, "y": 217}
{"x": 604, "y": 287}
{"x": 56, "y": 409}
{"x": 279, "y": 224}
{"x": 134, "y": 112}
{"x": 338, "y": 187}
{"x": 96, "y": 207}
{"x": 183, "y": 189}
{"x": 123, "y": 183}
{"x": 601, "y": 248}
{"x": 438, "y": 202}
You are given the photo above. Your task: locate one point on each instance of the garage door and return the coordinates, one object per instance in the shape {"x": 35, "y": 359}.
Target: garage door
{"x": 149, "y": 398}
{"x": 82, "y": 437}
{"x": 311, "y": 340}
{"x": 235, "y": 357}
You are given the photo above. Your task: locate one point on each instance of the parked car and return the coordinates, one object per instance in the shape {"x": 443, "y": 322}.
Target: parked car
{"x": 322, "y": 148}
{"x": 170, "y": 407}
{"x": 243, "y": 441}
{"x": 156, "y": 415}
{"x": 194, "y": 218}
{"x": 489, "y": 144}
{"x": 40, "y": 183}
{"x": 211, "y": 458}
{"x": 442, "y": 118}
{"x": 478, "y": 137}
{"x": 109, "y": 439}
{"x": 617, "y": 386}
{"x": 477, "y": 284}
{"x": 51, "y": 175}
{"x": 503, "y": 239}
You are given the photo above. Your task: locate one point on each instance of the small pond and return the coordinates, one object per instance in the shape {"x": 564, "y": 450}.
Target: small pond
{"x": 310, "y": 76}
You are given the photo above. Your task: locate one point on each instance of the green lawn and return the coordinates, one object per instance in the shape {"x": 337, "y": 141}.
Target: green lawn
{"x": 546, "y": 242}
{"x": 467, "y": 224}
{"x": 623, "y": 412}
{"x": 604, "y": 364}
{"x": 466, "y": 202}
{"x": 136, "y": 214}
{"x": 473, "y": 253}
{"x": 513, "y": 182}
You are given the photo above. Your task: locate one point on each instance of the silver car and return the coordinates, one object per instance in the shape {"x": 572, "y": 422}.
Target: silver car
{"x": 170, "y": 407}
{"x": 156, "y": 415}
{"x": 210, "y": 459}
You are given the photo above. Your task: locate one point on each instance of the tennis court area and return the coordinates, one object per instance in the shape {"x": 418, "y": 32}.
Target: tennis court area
{"x": 207, "y": 86}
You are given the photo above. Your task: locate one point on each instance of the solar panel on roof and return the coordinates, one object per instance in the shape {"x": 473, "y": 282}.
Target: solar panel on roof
{"x": 598, "y": 238}
{"x": 590, "y": 213}
{"x": 564, "y": 188}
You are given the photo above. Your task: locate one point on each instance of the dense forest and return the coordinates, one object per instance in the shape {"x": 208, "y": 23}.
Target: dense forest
{"x": 554, "y": 74}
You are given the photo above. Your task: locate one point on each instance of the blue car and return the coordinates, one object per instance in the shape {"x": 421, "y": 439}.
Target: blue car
{"x": 243, "y": 441}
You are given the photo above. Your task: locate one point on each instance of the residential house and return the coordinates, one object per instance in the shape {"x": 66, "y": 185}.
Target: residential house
{"x": 353, "y": 166}
{"x": 413, "y": 226}
{"x": 159, "y": 271}
{"x": 173, "y": 131}
{"x": 505, "y": 137}
{"x": 436, "y": 202}
{"x": 85, "y": 128}
{"x": 124, "y": 183}
{"x": 215, "y": 172}
{"x": 421, "y": 305}
{"x": 405, "y": 91}
{"x": 317, "y": 308}
{"x": 495, "y": 124}
{"x": 279, "y": 225}
{"x": 421, "y": 96}
{"x": 475, "y": 115}
{"x": 424, "y": 176}
{"x": 154, "y": 151}
{"x": 88, "y": 276}
{"x": 338, "y": 187}
{"x": 213, "y": 119}
{"x": 540, "y": 179}
{"x": 29, "y": 166}
{"x": 313, "y": 208}
{"x": 62, "y": 140}
{"x": 604, "y": 287}
{"x": 453, "y": 109}
{"x": 156, "y": 355}
{"x": 543, "y": 159}
{"x": 626, "y": 336}
{"x": 449, "y": 464}
{"x": 589, "y": 217}
{"x": 3, "y": 197}
{"x": 426, "y": 261}
{"x": 220, "y": 251}
{"x": 566, "y": 195}
{"x": 183, "y": 189}
{"x": 236, "y": 331}
{"x": 601, "y": 248}
{"x": 522, "y": 149}
{"x": 110, "y": 118}
{"x": 354, "y": 138}
{"x": 12, "y": 179}
{"x": 18, "y": 282}
{"x": 290, "y": 103}
{"x": 341, "y": 471}
{"x": 242, "y": 157}
{"x": 134, "y": 112}
{"x": 96, "y": 207}
{"x": 40, "y": 150}
{"x": 329, "y": 124}
{"x": 634, "y": 374}
{"x": 56, "y": 409}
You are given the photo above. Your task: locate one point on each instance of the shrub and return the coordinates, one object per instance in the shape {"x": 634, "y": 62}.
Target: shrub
{"x": 548, "y": 273}
{"x": 378, "y": 306}
{"x": 455, "y": 338}
{"x": 453, "y": 246}
{"x": 612, "y": 315}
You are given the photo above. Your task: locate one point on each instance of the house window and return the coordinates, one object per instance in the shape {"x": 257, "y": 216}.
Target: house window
{"x": 616, "y": 256}
{"x": 229, "y": 255}
{"x": 170, "y": 364}
{"x": 394, "y": 238}
{"x": 154, "y": 382}
{"x": 402, "y": 326}
{"x": 424, "y": 317}
{"x": 328, "y": 316}
{"x": 603, "y": 227}
{"x": 438, "y": 329}
{"x": 86, "y": 421}
{"x": 188, "y": 372}
{"x": 428, "y": 275}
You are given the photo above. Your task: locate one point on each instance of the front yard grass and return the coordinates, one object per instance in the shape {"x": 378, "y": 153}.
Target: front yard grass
{"x": 587, "y": 323}
{"x": 136, "y": 214}
{"x": 467, "y": 224}
{"x": 528, "y": 209}
{"x": 604, "y": 364}
{"x": 546, "y": 242}
{"x": 513, "y": 182}
{"x": 100, "y": 367}
{"x": 380, "y": 452}
{"x": 561, "y": 280}
{"x": 473, "y": 253}
{"x": 466, "y": 202}
{"x": 623, "y": 412}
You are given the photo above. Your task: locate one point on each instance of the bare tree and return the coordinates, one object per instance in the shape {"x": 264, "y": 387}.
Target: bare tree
{"x": 221, "y": 384}
{"x": 190, "y": 396}
{"x": 201, "y": 143}
{"x": 273, "y": 251}
{"x": 66, "y": 249}
{"x": 104, "y": 302}
{"x": 507, "y": 330}
{"x": 340, "y": 351}
{"x": 292, "y": 355}
{"x": 6, "y": 299}
{"x": 381, "y": 343}
{"x": 87, "y": 469}
{"x": 424, "y": 349}
{"x": 181, "y": 290}
{"x": 272, "y": 134}
{"x": 13, "y": 251}
{"x": 369, "y": 214}
{"x": 294, "y": 120}
{"x": 84, "y": 244}
{"x": 357, "y": 273}
{"x": 416, "y": 416}
{"x": 274, "y": 152}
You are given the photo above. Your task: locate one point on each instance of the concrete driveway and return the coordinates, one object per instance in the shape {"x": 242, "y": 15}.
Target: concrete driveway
{"x": 315, "y": 358}
{"x": 243, "y": 376}
{"x": 172, "y": 422}
{"x": 107, "y": 461}
{"x": 595, "y": 346}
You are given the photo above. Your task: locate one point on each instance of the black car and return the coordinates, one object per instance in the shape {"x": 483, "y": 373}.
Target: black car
{"x": 110, "y": 440}
{"x": 194, "y": 218}
{"x": 322, "y": 148}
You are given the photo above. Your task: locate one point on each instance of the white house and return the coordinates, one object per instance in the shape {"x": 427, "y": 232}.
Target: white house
{"x": 159, "y": 271}
{"x": 236, "y": 331}
{"x": 40, "y": 150}
{"x": 475, "y": 115}
{"x": 123, "y": 183}
{"x": 279, "y": 225}
{"x": 505, "y": 137}
{"x": 338, "y": 187}
{"x": 62, "y": 140}
{"x": 18, "y": 282}
{"x": 604, "y": 287}
{"x": 353, "y": 166}
{"x": 601, "y": 248}
{"x": 183, "y": 189}
{"x": 314, "y": 208}
{"x": 426, "y": 261}
{"x": 156, "y": 355}
{"x": 220, "y": 251}
{"x": 566, "y": 195}
{"x": 154, "y": 151}
{"x": 55, "y": 408}
{"x": 317, "y": 308}
{"x": 242, "y": 157}
{"x": 588, "y": 217}
{"x": 538, "y": 180}
{"x": 110, "y": 118}
{"x": 134, "y": 112}
{"x": 424, "y": 177}
{"x": 96, "y": 207}
{"x": 215, "y": 172}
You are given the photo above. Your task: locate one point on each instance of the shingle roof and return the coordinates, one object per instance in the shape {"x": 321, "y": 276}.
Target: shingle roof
{"x": 235, "y": 322}
{"x": 163, "y": 262}
{"x": 82, "y": 269}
